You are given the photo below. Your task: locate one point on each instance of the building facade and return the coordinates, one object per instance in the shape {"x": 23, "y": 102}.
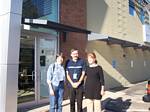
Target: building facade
{"x": 40, "y": 44}
{"x": 10, "y": 22}
{"x": 119, "y": 42}
{"x": 36, "y": 31}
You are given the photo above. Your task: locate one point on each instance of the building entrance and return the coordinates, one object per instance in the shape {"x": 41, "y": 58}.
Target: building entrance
{"x": 37, "y": 52}
{"x": 26, "y": 76}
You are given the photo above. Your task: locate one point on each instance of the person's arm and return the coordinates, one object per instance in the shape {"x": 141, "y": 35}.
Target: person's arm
{"x": 68, "y": 78}
{"x": 68, "y": 75}
{"x": 85, "y": 78}
{"x": 49, "y": 73}
{"x": 81, "y": 78}
{"x": 102, "y": 81}
{"x": 83, "y": 73}
{"x": 76, "y": 84}
{"x": 102, "y": 90}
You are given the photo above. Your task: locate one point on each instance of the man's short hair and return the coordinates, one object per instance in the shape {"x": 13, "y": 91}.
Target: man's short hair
{"x": 74, "y": 49}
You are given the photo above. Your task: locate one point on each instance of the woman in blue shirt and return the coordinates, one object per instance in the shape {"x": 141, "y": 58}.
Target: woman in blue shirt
{"x": 55, "y": 80}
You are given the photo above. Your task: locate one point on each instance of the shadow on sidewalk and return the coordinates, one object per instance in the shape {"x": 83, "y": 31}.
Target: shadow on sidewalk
{"x": 116, "y": 105}
{"x": 108, "y": 105}
{"x": 30, "y": 107}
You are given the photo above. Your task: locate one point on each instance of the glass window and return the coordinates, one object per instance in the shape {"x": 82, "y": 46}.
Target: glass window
{"x": 41, "y": 9}
{"x": 47, "y": 49}
{"x": 47, "y": 9}
{"x": 131, "y": 8}
{"x": 142, "y": 15}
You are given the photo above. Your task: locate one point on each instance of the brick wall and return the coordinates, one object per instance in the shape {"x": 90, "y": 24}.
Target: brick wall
{"x": 73, "y": 13}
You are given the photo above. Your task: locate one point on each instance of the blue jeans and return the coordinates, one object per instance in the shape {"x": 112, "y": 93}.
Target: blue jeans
{"x": 57, "y": 99}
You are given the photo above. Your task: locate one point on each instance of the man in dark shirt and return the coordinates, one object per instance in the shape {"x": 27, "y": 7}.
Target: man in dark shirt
{"x": 75, "y": 69}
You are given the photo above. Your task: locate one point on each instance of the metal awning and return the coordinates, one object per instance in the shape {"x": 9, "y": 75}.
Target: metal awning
{"x": 143, "y": 47}
{"x": 53, "y": 25}
{"x": 112, "y": 40}
{"x": 123, "y": 43}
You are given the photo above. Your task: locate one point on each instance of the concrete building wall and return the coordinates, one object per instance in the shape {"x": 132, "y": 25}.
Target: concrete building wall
{"x": 73, "y": 13}
{"x": 112, "y": 18}
{"x": 131, "y": 65}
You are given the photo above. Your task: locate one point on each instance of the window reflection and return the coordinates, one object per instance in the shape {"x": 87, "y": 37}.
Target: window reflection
{"x": 40, "y": 8}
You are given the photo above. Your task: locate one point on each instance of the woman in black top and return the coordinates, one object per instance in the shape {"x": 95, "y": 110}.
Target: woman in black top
{"x": 94, "y": 85}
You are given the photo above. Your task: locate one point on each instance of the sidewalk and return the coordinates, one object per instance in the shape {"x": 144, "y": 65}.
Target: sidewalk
{"x": 133, "y": 94}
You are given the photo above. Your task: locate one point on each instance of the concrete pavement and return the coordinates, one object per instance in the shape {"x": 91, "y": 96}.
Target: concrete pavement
{"x": 132, "y": 96}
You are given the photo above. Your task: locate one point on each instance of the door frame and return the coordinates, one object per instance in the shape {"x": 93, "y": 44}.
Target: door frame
{"x": 37, "y": 60}
{"x": 37, "y": 36}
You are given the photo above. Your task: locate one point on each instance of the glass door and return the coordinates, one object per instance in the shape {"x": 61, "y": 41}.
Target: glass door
{"x": 46, "y": 49}
{"x": 37, "y": 52}
{"x": 26, "y": 82}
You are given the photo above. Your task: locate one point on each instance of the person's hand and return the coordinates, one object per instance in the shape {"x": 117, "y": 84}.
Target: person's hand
{"x": 52, "y": 92}
{"x": 102, "y": 92}
{"x": 76, "y": 84}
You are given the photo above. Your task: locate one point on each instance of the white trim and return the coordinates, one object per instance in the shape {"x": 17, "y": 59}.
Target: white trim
{"x": 26, "y": 27}
{"x": 75, "y": 67}
{"x": 96, "y": 36}
{"x": 35, "y": 21}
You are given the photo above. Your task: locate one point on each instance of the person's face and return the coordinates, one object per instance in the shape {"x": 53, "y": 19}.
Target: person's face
{"x": 91, "y": 60}
{"x": 75, "y": 55}
{"x": 59, "y": 59}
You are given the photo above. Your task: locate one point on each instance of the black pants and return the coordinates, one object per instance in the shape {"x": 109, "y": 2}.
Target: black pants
{"x": 76, "y": 94}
